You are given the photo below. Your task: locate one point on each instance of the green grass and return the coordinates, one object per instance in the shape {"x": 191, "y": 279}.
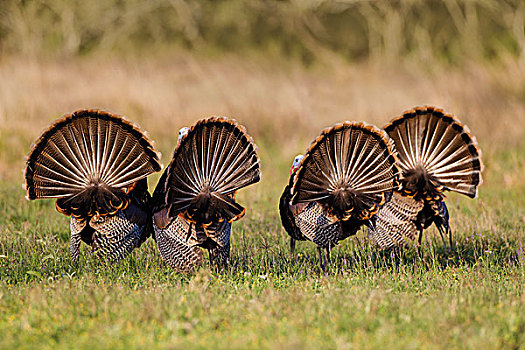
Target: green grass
{"x": 469, "y": 297}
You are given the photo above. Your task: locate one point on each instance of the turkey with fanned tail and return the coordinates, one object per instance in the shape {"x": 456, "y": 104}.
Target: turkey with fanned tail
{"x": 436, "y": 152}
{"x": 95, "y": 164}
{"x": 344, "y": 178}
{"x": 194, "y": 201}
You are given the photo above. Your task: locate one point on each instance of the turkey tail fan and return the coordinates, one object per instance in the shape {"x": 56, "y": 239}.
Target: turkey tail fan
{"x": 90, "y": 161}
{"x": 349, "y": 169}
{"x": 435, "y": 151}
{"x": 213, "y": 160}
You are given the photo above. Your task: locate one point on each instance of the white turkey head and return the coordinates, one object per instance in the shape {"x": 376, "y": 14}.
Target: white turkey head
{"x": 182, "y": 132}
{"x": 297, "y": 160}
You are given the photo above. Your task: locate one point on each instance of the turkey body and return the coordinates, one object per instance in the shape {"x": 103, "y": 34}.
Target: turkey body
{"x": 181, "y": 245}
{"x": 436, "y": 153}
{"x": 113, "y": 237}
{"x": 194, "y": 201}
{"x": 95, "y": 164}
{"x": 319, "y": 228}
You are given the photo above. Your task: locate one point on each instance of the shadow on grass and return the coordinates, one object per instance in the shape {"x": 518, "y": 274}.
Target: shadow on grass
{"x": 466, "y": 252}
{"x": 260, "y": 257}
{"x": 355, "y": 256}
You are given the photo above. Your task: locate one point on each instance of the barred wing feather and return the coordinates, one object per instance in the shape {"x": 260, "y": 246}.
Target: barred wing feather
{"x": 395, "y": 223}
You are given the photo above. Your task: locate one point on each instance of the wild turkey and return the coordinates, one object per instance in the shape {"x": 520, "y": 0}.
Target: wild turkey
{"x": 346, "y": 175}
{"x": 95, "y": 164}
{"x": 436, "y": 153}
{"x": 194, "y": 201}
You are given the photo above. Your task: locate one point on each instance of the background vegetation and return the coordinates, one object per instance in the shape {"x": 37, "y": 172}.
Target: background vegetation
{"x": 284, "y": 69}
{"x": 448, "y": 30}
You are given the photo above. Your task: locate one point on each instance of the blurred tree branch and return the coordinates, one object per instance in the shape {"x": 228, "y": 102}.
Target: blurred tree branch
{"x": 310, "y": 30}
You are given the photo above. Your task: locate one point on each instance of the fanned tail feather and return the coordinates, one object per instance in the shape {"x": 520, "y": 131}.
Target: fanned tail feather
{"x": 90, "y": 161}
{"x": 349, "y": 169}
{"x": 214, "y": 160}
{"x": 436, "y": 151}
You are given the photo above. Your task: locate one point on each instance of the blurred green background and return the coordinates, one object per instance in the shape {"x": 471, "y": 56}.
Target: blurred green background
{"x": 448, "y": 31}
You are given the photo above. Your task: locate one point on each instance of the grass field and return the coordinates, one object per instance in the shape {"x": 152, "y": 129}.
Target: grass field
{"x": 469, "y": 297}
